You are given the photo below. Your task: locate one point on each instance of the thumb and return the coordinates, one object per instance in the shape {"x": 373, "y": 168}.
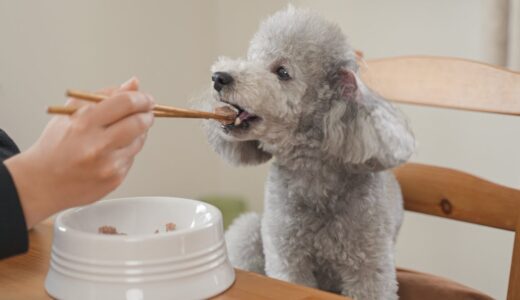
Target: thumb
{"x": 131, "y": 84}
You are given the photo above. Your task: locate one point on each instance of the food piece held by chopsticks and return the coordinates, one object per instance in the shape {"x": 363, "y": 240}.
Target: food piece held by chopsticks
{"x": 226, "y": 111}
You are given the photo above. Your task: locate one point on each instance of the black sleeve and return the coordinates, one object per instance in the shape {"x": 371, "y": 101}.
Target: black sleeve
{"x": 13, "y": 230}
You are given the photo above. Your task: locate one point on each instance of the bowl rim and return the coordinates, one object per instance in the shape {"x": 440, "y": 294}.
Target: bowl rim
{"x": 60, "y": 226}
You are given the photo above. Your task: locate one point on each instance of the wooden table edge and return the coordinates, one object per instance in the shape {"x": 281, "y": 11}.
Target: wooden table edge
{"x": 22, "y": 277}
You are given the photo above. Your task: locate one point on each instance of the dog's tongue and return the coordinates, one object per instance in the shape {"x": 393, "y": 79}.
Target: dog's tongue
{"x": 244, "y": 115}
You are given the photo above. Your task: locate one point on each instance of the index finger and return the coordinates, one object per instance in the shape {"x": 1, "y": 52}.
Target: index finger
{"x": 131, "y": 84}
{"x": 118, "y": 107}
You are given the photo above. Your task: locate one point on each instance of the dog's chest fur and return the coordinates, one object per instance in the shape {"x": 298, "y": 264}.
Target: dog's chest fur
{"x": 330, "y": 214}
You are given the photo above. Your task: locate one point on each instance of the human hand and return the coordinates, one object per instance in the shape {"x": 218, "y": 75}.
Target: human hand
{"x": 81, "y": 158}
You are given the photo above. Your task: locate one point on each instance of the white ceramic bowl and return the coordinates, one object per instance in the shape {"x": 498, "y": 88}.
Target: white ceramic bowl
{"x": 187, "y": 263}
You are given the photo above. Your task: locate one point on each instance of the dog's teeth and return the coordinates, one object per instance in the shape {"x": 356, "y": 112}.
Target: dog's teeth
{"x": 237, "y": 121}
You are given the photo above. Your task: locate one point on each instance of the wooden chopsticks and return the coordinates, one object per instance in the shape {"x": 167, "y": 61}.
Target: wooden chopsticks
{"x": 65, "y": 110}
{"x": 158, "y": 110}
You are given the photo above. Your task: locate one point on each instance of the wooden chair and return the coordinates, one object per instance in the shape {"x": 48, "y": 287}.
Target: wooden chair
{"x": 457, "y": 84}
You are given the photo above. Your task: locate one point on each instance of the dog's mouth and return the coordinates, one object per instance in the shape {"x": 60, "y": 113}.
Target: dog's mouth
{"x": 243, "y": 120}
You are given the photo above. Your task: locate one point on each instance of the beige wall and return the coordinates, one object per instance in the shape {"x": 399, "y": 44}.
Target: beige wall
{"x": 49, "y": 46}
{"x": 514, "y": 35}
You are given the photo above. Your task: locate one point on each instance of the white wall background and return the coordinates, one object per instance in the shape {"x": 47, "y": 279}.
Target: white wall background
{"x": 49, "y": 46}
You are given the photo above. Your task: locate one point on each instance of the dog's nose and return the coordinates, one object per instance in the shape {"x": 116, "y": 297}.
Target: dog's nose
{"x": 221, "y": 79}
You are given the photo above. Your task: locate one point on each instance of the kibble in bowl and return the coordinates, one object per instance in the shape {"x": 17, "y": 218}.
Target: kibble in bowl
{"x": 106, "y": 229}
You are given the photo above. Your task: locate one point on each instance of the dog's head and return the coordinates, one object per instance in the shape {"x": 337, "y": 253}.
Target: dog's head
{"x": 298, "y": 88}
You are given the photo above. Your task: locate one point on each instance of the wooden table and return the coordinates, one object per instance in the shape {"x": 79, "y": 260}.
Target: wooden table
{"x": 22, "y": 277}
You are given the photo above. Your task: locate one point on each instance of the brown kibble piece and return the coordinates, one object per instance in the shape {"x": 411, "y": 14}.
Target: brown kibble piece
{"x": 113, "y": 231}
{"x": 226, "y": 111}
{"x": 170, "y": 227}
{"x": 109, "y": 230}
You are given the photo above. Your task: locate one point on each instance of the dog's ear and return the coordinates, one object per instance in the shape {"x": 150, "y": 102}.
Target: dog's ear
{"x": 362, "y": 129}
{"x": 235, "y": 152}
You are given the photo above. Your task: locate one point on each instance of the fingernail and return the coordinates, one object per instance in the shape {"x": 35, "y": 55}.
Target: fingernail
{"x": 133, "y": 81}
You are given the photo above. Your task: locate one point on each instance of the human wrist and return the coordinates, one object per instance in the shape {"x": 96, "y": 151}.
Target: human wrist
{"x": 34, "y": 192}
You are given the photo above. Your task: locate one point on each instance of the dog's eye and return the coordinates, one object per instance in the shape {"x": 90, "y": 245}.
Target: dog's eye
{"x": 282, "y": 73}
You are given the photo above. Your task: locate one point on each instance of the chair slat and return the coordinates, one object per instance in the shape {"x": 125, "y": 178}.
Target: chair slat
{"x": 513, "y": 292}
{"x": 456, "y": 195}
{"x": 445, "y": 82}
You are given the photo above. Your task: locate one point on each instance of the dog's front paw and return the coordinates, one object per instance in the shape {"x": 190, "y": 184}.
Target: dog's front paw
{"x": 372, "y": 283}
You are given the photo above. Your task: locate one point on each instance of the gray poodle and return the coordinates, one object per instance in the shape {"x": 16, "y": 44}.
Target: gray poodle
{"x": 332, "y": 207}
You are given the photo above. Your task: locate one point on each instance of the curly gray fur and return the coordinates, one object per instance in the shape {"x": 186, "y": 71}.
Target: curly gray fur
{"x": 332, "y": 208}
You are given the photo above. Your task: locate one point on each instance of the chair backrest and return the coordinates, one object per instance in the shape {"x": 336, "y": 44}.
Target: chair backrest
{"x": 458, "y": 84}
